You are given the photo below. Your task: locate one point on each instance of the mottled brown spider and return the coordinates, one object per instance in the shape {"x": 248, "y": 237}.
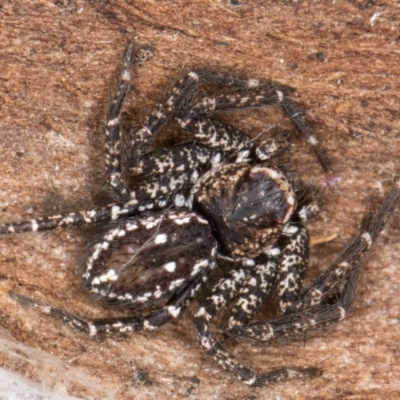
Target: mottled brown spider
{"x": 223, "y": 196}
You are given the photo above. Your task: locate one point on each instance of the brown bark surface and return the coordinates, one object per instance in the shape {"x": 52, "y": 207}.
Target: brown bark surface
{"x": 58, "y": 63}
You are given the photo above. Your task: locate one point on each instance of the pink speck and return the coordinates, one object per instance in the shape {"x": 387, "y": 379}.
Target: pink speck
{"x": 331, "y": 181}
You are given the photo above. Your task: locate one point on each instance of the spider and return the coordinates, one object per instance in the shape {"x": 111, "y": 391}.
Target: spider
{"x": 221, "y": 198}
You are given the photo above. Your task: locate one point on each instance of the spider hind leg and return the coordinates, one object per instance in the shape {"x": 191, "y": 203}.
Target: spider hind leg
{"x": 96, "y": 327}
{"x": 328, "y": 298}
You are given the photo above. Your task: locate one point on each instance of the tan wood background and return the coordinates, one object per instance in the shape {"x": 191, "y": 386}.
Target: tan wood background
{"x": 58, "y": 62}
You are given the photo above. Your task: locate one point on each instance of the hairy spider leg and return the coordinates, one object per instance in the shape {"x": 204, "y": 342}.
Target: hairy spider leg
{"x": 100, "y": 214}
{"x": 179, "y": 97}
{"x": 309, "y": 201}
{"x": 292, "y": 265}
{"x": 113, "y": 130}
{"x": 100, "y": 326}
{"x": 216, "y": 134}
{"x": 257, "y": 96}
{"x": 221, "y": 296}
{"x": 234, "y": 143}
{"x": 255, "y": 289}
{"x": 251, "y": 284}
{"x": 286, "y": 268}
{"x": 348, "y": 266}
{"x": 297, "y": 116}
{"x": 295, "y": 244}
{"x": 163, "y": 190}
{"x": 314, "y": 307}
{"x": 177, "y": 158}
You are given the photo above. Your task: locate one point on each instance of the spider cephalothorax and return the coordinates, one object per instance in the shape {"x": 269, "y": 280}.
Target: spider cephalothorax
{"x": 221, "y": 196}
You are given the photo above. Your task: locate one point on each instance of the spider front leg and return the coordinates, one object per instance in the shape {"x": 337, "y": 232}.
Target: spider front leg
{"x": 216, "y": 142}
{"x": 295, "y": 243}
{"x": 259, "y": 94}
{"x": 330, "y": 295}
{"x": 234, "y": 143}
{"x": 178, "y": 102}
{"x": 152, "y": 194}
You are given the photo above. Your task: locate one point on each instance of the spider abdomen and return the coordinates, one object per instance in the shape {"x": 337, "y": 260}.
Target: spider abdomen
{"x": 144, "y": 260}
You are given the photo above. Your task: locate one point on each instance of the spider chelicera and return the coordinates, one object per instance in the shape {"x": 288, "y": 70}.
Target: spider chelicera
{"x": 223, "y": 196}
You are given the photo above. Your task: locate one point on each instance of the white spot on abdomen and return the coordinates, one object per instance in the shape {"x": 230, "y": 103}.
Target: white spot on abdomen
{"x": 170, "y": 267}
{"x": 160, "y": 238}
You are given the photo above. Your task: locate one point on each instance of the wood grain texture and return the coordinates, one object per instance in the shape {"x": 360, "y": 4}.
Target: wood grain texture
{"x": 58, "y": 62}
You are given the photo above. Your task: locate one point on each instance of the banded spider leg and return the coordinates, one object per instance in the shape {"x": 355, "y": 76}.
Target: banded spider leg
{"x": 326, "y": 300}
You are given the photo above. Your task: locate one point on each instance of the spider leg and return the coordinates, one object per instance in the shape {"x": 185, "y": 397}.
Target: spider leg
{"x": 348, "y": 266}
{"x": 163, "y": 190}
{"x": 113, "y": 130}
{"x": 179, "y": 97}
{"x": 143, "y": 136}
{"x": 255, "y": 289}
{"x": 174, "y": 169}
{"x": 286, "y": 266}
{"x": 177, "y": 158}
{"x": 216, "y": 134}
{"x": 257, "y": 96}
{"x": 110, "y": 212}
{"x": 330, "y": 295}
{"x": 156, "y": 193}
{"x": 101, "y": 326}
{"x": 222, "y": 294}
{"x": 309, "y": 200}
{"x": 293, "y": 264}
{"x": 298, "y": 117}
{"x": 252, "y": 285}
